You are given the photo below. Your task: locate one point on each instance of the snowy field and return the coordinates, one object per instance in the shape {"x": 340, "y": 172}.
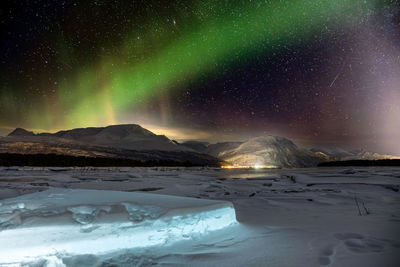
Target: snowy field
{"x": 288, "y": 217}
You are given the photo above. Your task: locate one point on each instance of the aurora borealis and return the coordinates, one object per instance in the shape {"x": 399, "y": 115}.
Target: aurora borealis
{"x": 317, "y": 71}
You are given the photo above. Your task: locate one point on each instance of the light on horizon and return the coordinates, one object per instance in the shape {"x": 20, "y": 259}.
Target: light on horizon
{"x": 256, "y": 166}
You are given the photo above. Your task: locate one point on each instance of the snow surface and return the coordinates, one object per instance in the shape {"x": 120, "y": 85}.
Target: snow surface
{"x": 288, "y": 217}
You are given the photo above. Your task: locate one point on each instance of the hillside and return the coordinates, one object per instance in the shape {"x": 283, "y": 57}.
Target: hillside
{"x": 270, "y": 151}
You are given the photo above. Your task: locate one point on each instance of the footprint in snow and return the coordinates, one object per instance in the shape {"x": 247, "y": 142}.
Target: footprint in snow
{"x": 326, "y": 255}
{"x": 354, "y": 242}
{"x": 362, "y": 244}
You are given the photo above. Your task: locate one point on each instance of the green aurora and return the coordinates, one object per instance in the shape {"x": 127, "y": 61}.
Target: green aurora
{"x": 165, "y": 54}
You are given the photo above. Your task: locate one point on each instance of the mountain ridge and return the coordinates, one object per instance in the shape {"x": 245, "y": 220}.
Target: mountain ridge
{"x": 126, "y": 136}
{"x": 135, "y": 142}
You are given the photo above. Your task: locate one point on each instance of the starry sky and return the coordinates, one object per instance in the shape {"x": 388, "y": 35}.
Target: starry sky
{"x": 321, "y": 72}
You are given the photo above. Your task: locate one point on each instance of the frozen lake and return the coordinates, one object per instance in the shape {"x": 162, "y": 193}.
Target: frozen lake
{"x": 288, "y": 217}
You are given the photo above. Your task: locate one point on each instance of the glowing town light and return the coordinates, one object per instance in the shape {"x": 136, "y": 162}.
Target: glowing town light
{"x": 72, "y": 222}
{"x": 256, "y": 166}
{"x": 236, "y": 167}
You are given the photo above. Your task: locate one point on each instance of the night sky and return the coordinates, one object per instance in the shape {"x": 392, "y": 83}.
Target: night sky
{"x": 321, "y": 72}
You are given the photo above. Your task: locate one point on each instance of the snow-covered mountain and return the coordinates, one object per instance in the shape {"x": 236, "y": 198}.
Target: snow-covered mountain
{"x": 270, "y": 151}
{"x": 355, "y": 154}
{"x": 127, "y": 136}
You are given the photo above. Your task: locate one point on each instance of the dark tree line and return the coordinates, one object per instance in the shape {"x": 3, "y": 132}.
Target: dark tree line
{"x": 361, "y": 163}
{"x": 55, "y": 160}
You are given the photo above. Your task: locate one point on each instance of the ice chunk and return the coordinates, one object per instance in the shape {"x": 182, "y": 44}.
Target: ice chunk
{"x": 11, "y": 208}
{"x": 139, "y": 213}
{"x": 73, "y": 222}
{"x": 86, "y": 214}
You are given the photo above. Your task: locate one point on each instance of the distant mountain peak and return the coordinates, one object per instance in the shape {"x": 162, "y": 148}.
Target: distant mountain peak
{"x": 21, "y": 132}
{"x": 122, "y": 136}
{"x": 337, "y": 153}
